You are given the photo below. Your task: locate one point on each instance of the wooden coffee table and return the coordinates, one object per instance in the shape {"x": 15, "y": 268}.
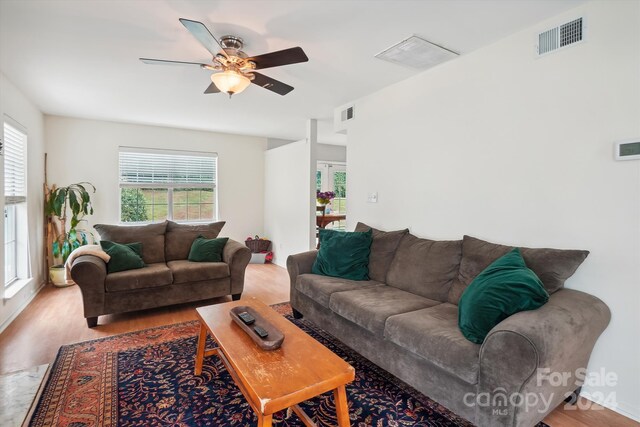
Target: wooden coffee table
{"x": 271, "y": 381}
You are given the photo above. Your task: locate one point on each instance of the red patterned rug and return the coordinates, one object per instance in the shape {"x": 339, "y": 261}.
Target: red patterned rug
{"x": 146, "y": 378}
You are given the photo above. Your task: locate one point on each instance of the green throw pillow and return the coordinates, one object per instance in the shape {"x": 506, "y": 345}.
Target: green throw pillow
{"x": 504, "y": 288}
{"x": 207, "y": 250}
{"x": 343, "y": 254}
{"x": 123, "y": 256}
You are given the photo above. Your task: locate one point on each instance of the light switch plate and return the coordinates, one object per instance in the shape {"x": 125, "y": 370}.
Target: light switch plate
{"x": 372, "y": 197}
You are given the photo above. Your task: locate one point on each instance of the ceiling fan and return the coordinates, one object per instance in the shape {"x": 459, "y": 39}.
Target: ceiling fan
{"x": 233, "y": 69}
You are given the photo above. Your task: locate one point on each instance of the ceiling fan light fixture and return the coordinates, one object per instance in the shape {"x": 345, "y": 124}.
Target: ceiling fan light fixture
{"x": 230, "y": 82}
{"x": 236, "y": 68}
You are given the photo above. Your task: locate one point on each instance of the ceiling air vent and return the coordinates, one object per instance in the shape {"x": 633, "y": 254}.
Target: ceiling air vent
{"x": 417, "y": 52}
{"x": 561, "y": 36}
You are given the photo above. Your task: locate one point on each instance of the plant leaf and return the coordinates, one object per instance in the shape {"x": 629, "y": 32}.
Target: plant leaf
{"x": 73, "y": 203}
{"x": 66, "y": 251}
{"x": 59, "y": 202}
{"x": 51, "y": 206}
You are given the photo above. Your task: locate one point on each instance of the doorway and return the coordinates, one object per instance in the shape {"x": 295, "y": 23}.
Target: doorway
{"x": 332, "y": 176}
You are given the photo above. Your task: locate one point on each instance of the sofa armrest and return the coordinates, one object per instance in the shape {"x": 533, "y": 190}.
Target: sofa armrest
{"x": 90, "y": 272}
{"x": 526, "y": 353}
{"x": 298, "y": 264}
{"x": 237, "y": 256}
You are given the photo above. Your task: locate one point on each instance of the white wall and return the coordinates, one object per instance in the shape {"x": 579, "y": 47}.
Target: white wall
{"x": 87, "y": 150}
{"x": 331, "y": 153}
{"x": 503, "y": 146}
{"x": 15, "y": 105}
{"x": 287, "y": 195}
{"x": 277, "y": 142}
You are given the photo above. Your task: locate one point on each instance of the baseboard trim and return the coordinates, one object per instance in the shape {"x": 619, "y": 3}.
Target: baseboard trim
{"x": 24, "y": 305}
{"x": 621, "y": 408}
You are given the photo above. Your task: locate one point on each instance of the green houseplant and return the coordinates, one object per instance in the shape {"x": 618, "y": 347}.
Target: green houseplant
{"x": 67, "y": 206}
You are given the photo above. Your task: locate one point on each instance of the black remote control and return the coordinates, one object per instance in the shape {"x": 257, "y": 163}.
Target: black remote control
{"x": 260, "y": 332}
{"x": 246, "y": 318}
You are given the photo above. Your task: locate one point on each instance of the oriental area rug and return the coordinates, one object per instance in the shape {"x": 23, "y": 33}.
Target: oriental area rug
{"x": 146, "y": 378}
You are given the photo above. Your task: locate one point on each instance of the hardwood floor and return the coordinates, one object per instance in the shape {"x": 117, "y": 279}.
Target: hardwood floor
{"x": 55, "y": 318}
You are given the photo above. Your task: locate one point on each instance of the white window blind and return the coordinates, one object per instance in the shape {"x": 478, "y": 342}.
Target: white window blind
{"x": 166, "y": 168}
{"x": 15, "y": 188}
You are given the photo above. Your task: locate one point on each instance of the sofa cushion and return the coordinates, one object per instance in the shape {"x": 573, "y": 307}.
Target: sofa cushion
{"x": 552, "y": 266}
{"x": 184, "y": 271}
{"x": 123, "y": 256}
{"x": 383, "y": 248}
{"x": 343, "y": 254}
{"x": 370, "y": 307}
{"x": 433, "y": 333}
{"x": 151, "y": 236}
{"x": 151, "y": 276}
{"x": 425, "y": 267}
{"x": 207, "y": 250}
{"x": 504, "y": 288}
{"x": 319, "y": 288}
{"x": 180, "y": 237}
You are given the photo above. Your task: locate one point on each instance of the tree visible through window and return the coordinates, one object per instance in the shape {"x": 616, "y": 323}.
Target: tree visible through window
{"x": 340, "y": 183}
{"x": 132, "y": 205}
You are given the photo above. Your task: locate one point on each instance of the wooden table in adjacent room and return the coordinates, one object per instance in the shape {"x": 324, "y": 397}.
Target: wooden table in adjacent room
{"x": 271, "y": 381}
{"x": 323, "y": 220}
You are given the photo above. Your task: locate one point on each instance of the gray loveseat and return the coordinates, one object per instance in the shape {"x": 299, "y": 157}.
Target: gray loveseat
{"x": 405, "y": 319}
{"x": 168, "y": 277}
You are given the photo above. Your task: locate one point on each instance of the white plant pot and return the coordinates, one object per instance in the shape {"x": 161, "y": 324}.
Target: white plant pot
{"x": 56, "y": 275}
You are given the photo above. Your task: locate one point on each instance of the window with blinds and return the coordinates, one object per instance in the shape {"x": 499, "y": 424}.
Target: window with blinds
{"x": 165, "y": 184}
{"x": 15, "y": 186}
{"x": 15, "y": 196}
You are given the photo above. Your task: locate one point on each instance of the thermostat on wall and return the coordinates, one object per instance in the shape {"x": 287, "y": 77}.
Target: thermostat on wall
{"x": 627, "y": 150}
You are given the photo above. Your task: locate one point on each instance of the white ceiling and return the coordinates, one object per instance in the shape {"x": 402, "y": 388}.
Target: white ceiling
{"x": 80, "y": 58}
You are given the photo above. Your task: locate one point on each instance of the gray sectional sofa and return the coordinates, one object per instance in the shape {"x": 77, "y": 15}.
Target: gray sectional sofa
{"x": 405, "y": 319}
{"x": 168, "y": 277}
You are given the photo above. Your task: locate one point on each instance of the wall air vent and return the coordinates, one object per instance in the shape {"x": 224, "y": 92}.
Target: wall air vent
{"x": 342, "y": 117}
{"x": 417, "y": 52}
{"x": 346, "y": 114}
{"x": 561, "y": 36}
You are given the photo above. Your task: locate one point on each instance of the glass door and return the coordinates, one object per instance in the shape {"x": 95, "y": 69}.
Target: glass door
{"x": 332, "y": 176}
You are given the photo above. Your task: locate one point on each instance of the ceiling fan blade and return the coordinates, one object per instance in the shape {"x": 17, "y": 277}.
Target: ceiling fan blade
{"x": 281, "y": 57}
{"x": 271, "y": 84}
{"x": 204, "y": 36}
{"x": 212, "y": 89}
{"x": 165, "y": 62}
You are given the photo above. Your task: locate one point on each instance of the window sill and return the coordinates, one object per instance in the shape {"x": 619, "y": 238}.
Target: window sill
{"x": 15, "y": 287}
